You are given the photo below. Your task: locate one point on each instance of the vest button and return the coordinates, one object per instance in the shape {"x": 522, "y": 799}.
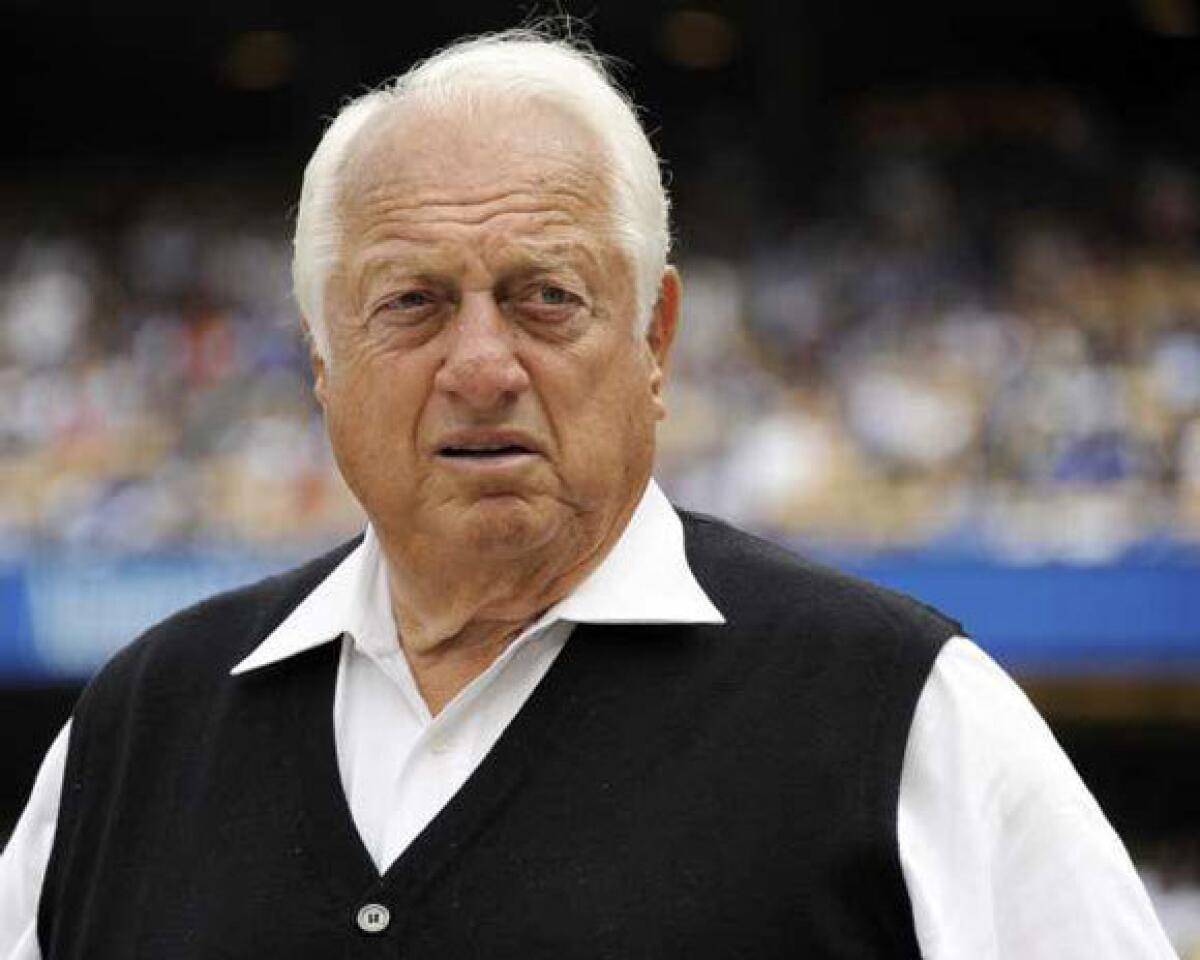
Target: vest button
{"x": 373, "y": 918}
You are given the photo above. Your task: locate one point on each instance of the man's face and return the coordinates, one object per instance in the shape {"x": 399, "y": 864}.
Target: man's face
{"x": 487, "y": 387}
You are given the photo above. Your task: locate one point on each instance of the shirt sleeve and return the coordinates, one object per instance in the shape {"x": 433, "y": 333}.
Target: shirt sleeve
{"x": 1005, "y": 853}
{"x": 23, "y": 863}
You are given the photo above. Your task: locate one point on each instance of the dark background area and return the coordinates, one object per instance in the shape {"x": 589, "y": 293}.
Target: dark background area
{"x": 143, "y": 90}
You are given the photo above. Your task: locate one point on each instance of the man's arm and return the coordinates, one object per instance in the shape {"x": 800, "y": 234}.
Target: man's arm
{"x": 1005, "y": 852}
{"x": 23, "y": 863}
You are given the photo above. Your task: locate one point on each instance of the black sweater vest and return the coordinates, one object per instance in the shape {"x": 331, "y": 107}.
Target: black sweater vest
{"x": 679, "y": 791}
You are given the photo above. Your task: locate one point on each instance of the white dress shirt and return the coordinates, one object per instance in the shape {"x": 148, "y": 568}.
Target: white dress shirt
{"x": 1004, "y": 852}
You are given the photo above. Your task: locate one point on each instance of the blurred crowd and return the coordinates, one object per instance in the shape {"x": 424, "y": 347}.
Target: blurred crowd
{"x": 156, "y": 387}
{"x": 950, "y": 365}
{"x": 994, "y": 351}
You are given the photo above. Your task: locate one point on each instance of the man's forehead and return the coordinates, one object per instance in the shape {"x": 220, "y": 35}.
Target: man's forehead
{"x": 420, "y": 153}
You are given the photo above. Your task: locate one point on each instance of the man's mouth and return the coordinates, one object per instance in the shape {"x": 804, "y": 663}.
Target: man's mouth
{"x": 483, "y": 451}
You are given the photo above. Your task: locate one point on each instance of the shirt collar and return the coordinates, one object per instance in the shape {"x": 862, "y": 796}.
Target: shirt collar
{"x": 644, "y": 579}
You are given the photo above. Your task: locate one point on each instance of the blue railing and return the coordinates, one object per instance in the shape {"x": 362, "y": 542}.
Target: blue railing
{"x": 61, "y": 617}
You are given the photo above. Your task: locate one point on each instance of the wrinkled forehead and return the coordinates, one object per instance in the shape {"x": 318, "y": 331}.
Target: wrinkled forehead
{"x": 421, "y": 155}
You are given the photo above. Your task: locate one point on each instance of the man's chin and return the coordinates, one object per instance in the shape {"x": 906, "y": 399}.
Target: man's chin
{"x": 504, "y": 526}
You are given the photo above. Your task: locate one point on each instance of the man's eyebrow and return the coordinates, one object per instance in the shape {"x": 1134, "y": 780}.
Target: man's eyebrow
{"x": 538, "y": 257}
{"x": 521, "y": 259}
{"x": 417, "y": 263}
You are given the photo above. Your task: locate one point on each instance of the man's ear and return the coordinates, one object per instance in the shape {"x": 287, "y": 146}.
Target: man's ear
{"x": 660, "y": 335}
{"x": 316, "y": 361}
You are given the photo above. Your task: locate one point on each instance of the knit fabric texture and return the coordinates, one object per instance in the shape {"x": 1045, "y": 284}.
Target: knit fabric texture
{"x": 667, "y": 791}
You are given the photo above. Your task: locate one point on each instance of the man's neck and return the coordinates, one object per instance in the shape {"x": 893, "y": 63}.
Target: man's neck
{"x": 456, "y": 613}
{"x": 443, "y": 672}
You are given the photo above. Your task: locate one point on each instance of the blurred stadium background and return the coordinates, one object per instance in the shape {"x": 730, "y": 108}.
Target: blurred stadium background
{"x": 942, "y": 327}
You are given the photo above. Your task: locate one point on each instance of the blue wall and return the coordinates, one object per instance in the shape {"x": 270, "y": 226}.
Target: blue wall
{"x": 1129, "y": 617}
{"x": 60, "y": 618}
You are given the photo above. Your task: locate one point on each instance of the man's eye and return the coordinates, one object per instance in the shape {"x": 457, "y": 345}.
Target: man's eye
{"x": 409, "y": 300}
{"x": 550, "y": 298}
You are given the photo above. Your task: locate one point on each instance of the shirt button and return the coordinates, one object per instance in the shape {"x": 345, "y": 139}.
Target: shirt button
{"x": 440, "y": 746}
{"x": 373, "y": 918}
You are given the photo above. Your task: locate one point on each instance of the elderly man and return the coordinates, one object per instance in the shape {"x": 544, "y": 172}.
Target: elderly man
{"x": 534, "y": 712}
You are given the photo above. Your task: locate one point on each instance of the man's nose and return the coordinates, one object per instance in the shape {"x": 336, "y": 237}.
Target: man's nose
{"x": 481, "y": 366}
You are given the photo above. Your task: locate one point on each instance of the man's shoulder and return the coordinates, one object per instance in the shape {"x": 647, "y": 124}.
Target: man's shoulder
{"x": 754, "y": 579}
{"x": 210, "y": 637}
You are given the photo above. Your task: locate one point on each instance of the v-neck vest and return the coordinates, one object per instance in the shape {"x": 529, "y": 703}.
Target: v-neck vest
{"x": 667, "y": 791}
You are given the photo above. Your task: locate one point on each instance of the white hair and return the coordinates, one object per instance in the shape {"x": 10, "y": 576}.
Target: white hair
{"x": 507, "y": 66}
